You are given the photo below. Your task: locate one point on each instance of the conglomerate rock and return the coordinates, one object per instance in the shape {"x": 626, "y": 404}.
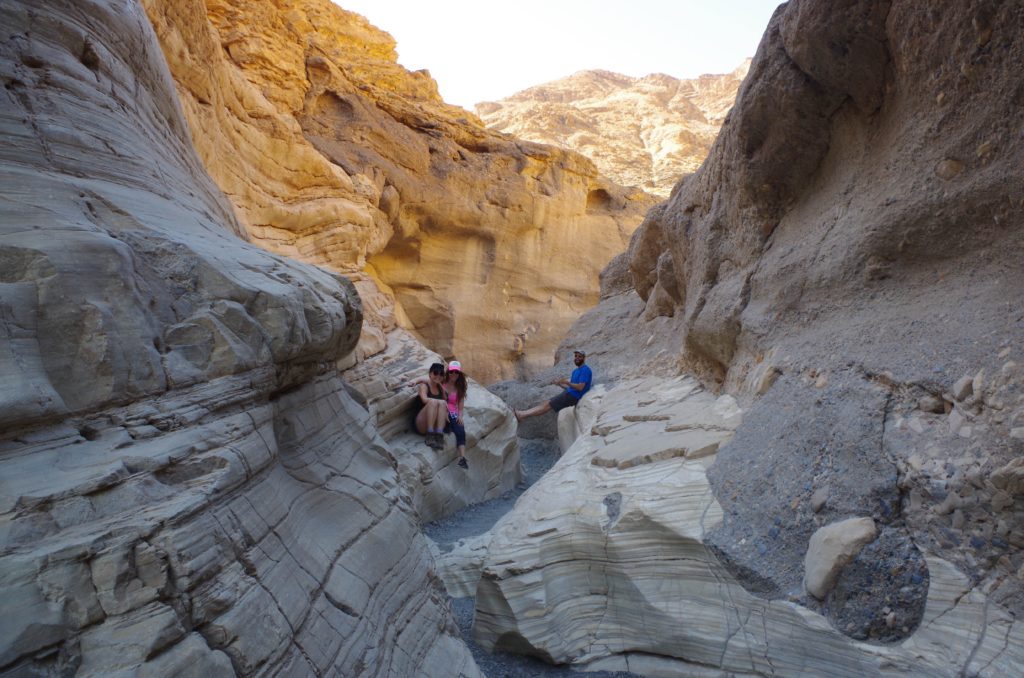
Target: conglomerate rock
{"x": 645, "y": 132}
{"x": 186, "y": 486}
{"x": 488, "y": 246}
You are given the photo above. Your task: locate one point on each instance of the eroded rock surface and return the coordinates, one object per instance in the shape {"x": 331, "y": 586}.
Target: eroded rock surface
{"x": 846, "y": 264}
{"x": 186, "y": 486}
{"x": 609, "y": 568}
{"x": 437, "y": 486}
{"x": 647, "y": 132}
{"x": 331, "y": 152}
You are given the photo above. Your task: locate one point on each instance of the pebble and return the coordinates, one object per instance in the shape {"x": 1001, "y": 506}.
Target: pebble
{"x": 963, "y": 387}
{"x": 958, "y": 519}
{"x": 948, "y": 168}
{"x": 1001, "y": 500}
{"x": 819, "y": 498}
{"x": 930, "y": 403}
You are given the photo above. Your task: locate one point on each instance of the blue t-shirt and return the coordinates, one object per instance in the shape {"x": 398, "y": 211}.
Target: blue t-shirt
{"x": 581, "y": 374}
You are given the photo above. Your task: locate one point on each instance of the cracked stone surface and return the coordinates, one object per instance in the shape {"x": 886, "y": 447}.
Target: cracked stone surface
{"x": 186, "y": 485}
{"x": 431, "y": 478}
{"x": 632, "y": 584}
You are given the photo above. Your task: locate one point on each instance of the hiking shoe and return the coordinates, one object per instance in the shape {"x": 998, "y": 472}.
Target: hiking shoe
{"x": 463, "y": 463}
{"x": 432, "y": 441}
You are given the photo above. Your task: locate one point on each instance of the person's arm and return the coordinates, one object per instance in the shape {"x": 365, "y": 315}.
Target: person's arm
{"x": 462, "y": 409}
{"x": 583, "y": 384}
{"x": 422, "y": 393}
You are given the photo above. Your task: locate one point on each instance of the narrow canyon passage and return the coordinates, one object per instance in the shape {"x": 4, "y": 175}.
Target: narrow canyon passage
{"x": 473, "y": 522}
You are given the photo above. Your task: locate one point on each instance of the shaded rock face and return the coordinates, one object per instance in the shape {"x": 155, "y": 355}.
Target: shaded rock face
{"x": 186, "y": 486}
{"x": 847, "y": 263}
{"x": 605, "y": 564}
{"x": 487, "y": 247}
{"x": 645, "y": 132}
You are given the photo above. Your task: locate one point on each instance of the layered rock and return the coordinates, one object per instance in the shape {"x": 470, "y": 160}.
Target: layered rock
{"x": 849, "y": 250}
{"x": 332, "y": 152}
{"x": 437, "y": 486}
{"x": 606, "y": 563}
{"x": 846, "y": 263}
{"x": 186, "y": 486}
{"x": 647, "y": 132}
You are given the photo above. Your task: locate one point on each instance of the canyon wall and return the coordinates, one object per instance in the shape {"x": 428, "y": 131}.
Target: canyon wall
{"x": 186, "y": 485}
{"x": 647, "y": 132}
{"x": 847, "y": 265}
{"x": 487, "y": 247}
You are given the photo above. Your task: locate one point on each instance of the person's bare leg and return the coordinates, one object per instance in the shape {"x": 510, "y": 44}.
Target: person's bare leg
{"x": 440, "y": 415}
{"x": 423, "y": 421}
{"x": 543, "y": 408}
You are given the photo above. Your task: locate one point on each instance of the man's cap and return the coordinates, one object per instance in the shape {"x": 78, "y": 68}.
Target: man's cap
{"x": 581, "y": 352}
{"x": 455, "y": 366}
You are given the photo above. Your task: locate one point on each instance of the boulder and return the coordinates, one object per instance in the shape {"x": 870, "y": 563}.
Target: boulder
{"x": 831, "y": 548}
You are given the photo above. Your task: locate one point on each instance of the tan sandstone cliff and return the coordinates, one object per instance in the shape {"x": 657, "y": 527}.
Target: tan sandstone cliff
{"x": 645, "y": 132}
{"x": 485, "y": 246}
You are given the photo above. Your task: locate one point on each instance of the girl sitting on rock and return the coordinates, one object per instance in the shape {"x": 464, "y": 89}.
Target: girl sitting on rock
{"x": 431, "y": 407}
{"x": 456, "y": 387}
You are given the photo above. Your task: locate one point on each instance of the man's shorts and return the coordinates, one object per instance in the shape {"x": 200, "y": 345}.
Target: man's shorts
{"x": 562, "y": 401}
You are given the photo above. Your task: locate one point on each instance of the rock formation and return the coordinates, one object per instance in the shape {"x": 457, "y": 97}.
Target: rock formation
{"x": 605, "y": 564}
{"x": 187, "y": 487}
{"x": 487, "y": 247}
{"x": 646, "y": 132}
{"x": 846, "y": 264}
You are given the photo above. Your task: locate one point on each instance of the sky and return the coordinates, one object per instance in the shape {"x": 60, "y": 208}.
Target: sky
{"x": 482, "y": 51}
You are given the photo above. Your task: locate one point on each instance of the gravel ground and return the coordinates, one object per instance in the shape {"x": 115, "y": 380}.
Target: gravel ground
{"x": 537, "y": 455}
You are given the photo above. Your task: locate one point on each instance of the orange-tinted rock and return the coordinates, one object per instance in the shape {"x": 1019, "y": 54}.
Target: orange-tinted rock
{"x": 333, "y": 153}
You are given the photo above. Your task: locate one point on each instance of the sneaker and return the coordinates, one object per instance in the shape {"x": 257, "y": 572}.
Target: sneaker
{"x": 432, "y": 441}
{"x": 463, "y": 463}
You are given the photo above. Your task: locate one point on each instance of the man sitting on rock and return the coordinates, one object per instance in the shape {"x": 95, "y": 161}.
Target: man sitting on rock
{"x": 575, "y": 386}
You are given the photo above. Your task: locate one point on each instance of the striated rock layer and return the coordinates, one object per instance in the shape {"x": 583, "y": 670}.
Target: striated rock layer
{"x": 488, "y": 247}
{"x": 605, "y": 563}
{"x": 846, "y": 263}
{"x": 186, "y": 486}
{"x": 647, "y": 132}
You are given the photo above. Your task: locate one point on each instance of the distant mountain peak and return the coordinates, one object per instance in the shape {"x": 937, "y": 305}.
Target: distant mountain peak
{"x": 644, "y": 131}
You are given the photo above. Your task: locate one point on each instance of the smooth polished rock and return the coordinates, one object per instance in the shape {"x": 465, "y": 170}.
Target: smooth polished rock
{"x": 607, "y": 569}
{"x": 186, "y": 486}
{"x": 438, "y": 487}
